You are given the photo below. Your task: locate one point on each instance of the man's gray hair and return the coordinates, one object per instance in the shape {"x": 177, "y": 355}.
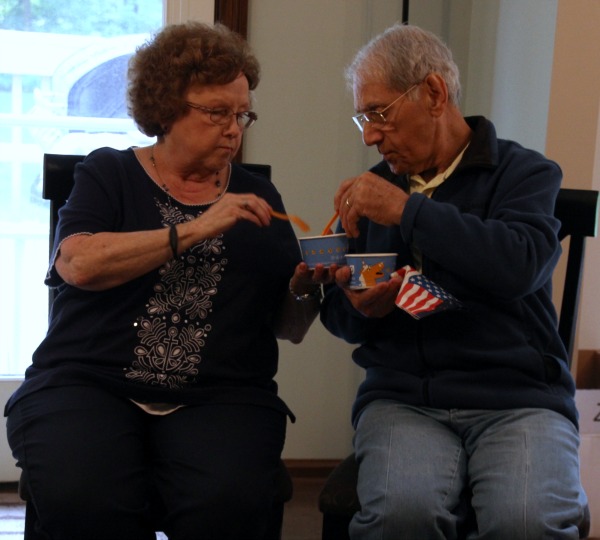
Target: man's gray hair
{"x": 403, "y": 55}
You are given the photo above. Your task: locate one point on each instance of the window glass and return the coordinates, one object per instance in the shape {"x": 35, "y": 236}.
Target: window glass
{"x": 62, "y": 90}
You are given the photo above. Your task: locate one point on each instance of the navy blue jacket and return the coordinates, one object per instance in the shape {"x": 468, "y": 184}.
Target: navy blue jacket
{"x": 489, "y": 237}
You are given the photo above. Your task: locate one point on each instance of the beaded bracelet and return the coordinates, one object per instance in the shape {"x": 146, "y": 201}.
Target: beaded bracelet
{"x": 173, "y": 240}
{"x": 317, "y": 294}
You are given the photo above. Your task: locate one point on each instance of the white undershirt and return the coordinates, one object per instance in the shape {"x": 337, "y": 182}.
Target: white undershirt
{"x": 418, "y": 185}
{"x": 159, "y": 409}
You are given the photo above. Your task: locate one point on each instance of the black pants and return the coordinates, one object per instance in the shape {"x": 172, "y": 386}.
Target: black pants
{"x": 96, "y": 462}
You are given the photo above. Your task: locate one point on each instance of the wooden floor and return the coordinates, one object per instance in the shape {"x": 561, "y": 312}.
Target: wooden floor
{"x": 301, "y": 520}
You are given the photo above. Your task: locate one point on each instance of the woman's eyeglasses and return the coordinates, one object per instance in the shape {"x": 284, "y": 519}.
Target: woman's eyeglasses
{"x": 222, "y": 117}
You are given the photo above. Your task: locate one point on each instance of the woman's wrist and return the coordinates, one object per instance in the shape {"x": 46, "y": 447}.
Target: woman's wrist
{"x": 173, "y": 240}
{"x": 314, "y": 293}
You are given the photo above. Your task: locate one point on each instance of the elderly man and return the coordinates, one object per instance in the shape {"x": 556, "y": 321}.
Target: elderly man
{"x": 468, "y": 409}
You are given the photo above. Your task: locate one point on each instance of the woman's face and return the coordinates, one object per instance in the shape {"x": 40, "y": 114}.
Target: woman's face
{"x": 208, "y": 145}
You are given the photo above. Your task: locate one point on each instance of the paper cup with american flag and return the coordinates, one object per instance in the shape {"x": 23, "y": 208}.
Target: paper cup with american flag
{"x": 420, "y": 297}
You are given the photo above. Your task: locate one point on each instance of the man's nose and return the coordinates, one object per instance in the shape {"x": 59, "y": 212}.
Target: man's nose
{"x": 370, "y": 134}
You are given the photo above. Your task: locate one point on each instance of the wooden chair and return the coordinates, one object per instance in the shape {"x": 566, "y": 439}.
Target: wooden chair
{"x": 57, "y": 182}
{"x": 577, "y": 209}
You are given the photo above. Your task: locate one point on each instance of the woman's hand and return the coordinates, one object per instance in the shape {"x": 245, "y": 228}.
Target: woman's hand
{"x": 307, "y": 281}
{"x": 370, "y": 196}
{"x": 225, "y": 213}
{"x": 296, "y": 314}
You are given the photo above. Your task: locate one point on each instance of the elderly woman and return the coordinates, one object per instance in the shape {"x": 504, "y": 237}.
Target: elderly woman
{"x": 173, "y": 285}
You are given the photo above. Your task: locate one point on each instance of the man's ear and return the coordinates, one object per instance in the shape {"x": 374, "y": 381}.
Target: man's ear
{"x": 436, "y": 92}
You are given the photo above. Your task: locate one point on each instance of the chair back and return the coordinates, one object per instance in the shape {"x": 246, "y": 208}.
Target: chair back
{"x": 577, "y": 210}
{"x": 57, "y": 183}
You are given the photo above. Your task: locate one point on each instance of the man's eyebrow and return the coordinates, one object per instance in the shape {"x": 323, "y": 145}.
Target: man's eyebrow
{"x": 370, "y": 107}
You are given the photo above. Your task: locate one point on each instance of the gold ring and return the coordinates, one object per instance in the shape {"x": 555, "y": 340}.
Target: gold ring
{"x": 348, "y": 203}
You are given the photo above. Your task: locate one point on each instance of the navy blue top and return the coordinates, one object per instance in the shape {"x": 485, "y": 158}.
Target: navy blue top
{"x": 197, "y": 328}
{"x": 488, "y": 236}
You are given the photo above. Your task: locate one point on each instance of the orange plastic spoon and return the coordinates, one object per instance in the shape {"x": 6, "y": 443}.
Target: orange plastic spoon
{"x": 327, "y": 230}
{"x": 294, "y": 219}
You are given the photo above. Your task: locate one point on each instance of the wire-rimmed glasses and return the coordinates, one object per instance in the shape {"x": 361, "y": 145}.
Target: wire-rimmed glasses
{"x": 377, "y": 118}
{"x": 222, "y": 117}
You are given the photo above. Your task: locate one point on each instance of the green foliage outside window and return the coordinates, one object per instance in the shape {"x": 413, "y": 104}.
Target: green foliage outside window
{"x": 104, "y": 18}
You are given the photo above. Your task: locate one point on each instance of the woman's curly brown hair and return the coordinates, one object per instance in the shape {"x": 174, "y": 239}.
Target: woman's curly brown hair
{"x": 180, "y": 56}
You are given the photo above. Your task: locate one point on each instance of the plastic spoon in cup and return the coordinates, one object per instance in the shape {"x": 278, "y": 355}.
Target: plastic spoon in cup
{"x": 294, "y": 219}
{"x": 327, "y": 230}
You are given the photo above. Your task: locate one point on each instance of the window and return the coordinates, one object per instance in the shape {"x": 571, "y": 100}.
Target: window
{"x": 62, "y": 90}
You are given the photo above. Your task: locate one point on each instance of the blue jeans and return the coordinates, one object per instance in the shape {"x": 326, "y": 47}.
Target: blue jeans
{"x": 517, "y": 470}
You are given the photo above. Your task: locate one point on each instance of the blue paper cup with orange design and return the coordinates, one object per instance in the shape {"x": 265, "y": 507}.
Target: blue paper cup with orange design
{"x": 369, "y": 269}
{"x": 327, "y": 249}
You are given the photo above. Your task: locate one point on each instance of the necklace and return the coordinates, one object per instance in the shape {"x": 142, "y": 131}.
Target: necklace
{"x": 165, "y": 188}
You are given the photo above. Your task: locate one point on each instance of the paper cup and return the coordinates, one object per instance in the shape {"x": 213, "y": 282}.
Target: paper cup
{"x": 369, "y": 269}
{"x": 326, "y": 250}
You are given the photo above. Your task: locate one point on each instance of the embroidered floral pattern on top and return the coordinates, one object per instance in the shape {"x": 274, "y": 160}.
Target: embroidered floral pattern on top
{"x": 173, "y": 330}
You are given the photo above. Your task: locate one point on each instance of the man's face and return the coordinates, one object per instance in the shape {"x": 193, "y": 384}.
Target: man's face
{"x": 406, "y": 138}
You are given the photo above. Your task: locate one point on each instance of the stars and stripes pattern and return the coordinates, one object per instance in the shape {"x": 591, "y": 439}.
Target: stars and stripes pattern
{"x": 419, "y": 296}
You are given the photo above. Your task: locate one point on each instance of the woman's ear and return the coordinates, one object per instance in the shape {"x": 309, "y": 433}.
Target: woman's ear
{"x": 436, "y": 92}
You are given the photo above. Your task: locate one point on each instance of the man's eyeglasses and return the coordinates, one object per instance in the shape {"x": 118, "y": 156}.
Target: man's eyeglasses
{"x": 222, "y": 117}
{"x": 377, "y": 118}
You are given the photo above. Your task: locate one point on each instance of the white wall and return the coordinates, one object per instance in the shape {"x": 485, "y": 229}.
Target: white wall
{"x": 574, "y": 131}
{"x": 306, "y": 133}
